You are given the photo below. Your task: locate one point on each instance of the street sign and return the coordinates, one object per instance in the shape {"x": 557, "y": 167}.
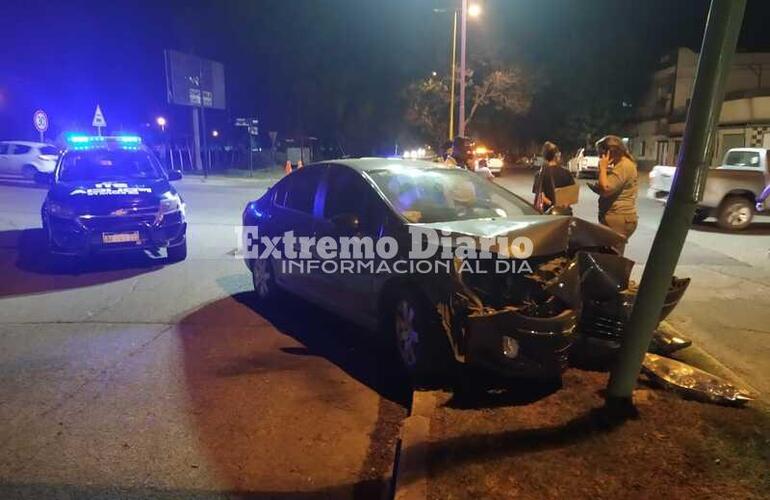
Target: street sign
{"x": 194, "y": 81}
{"x": 40, "y": 119}
{"x": 253, "y": 130}
{"x": 241, "y": 122}
{"x": 99, "y": 120}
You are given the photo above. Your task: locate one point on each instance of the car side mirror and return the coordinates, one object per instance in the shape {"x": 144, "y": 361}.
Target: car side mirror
{"x": 174, "y": 175}
{"x": 43, "y": 178}
{"x": 347, "y": 223}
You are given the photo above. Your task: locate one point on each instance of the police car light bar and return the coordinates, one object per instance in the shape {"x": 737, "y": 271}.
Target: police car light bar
{"x": 86, "y": 141}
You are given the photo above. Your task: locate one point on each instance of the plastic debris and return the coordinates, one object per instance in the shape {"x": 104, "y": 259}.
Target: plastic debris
{"x": 664, "y": 342}
{"x": 692, "y": 382}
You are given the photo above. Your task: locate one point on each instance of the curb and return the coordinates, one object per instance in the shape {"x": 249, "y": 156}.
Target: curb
{"x": 411, "y": 481}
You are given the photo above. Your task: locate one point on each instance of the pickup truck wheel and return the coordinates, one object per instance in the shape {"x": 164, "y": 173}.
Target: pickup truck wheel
{"x": 700, "y": 216}
{"x": 735, "y": 213}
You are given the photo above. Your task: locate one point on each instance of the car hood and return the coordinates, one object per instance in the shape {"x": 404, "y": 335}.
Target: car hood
{"x": 104, "y": 196}
{"x": 549, "y": 234}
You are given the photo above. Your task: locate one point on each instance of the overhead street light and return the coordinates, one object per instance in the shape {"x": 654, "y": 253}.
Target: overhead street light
{"x": 161, "y": 121}
{"x": 474, "y": 10}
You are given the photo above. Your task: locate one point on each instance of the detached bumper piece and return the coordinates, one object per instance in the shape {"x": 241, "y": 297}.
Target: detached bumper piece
{"x": 516, "y": 345}
{"x": 693, "y": 383}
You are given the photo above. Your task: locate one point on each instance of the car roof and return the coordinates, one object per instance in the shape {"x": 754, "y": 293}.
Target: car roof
{"x": 369, "y": 164}
{"x": 27, "y": 143}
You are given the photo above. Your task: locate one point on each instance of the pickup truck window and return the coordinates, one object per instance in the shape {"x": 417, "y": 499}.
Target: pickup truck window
{"x": 742, "y": 159}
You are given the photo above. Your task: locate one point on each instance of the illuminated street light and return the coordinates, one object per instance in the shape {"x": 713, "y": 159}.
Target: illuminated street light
{"x": 161, "y": 121}
{"x": 215, "y": 133}
{"x": 474, "y": 10}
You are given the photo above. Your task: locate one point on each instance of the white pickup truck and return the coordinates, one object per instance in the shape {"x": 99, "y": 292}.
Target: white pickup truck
{"x": 733, "y": 190}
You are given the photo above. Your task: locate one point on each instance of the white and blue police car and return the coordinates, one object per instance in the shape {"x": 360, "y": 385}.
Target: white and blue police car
{"x": 112, "y": 194}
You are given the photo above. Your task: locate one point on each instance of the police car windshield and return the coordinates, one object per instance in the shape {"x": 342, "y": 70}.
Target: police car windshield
{"x": 107, "y": 164}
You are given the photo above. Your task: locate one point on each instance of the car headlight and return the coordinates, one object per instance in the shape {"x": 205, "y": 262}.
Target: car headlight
{"x": 59, "y": 210}
{"x": 170, "y": 203}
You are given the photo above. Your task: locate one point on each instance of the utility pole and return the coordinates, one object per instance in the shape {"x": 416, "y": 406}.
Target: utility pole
{"x": 454, "y": 77}
{"x": 719, "y": 41}
{"x": 463, "y": 36}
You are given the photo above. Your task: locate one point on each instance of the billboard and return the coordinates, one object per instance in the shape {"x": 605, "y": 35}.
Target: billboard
{"x": 194, "y": 81}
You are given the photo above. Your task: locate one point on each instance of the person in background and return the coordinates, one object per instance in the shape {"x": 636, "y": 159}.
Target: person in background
{"x": 617, "y": 187}
{"x": 552, "y": 175}
{"x": 446, "y": 155}
{"x": 482, "y": 169}
{"x": 462, "y": 152}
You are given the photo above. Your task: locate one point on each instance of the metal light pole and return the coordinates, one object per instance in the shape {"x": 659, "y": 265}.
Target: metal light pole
{"x": 454, "y": 77}
{"x": 719, "y": 41}
{"x": 463, "y": 36}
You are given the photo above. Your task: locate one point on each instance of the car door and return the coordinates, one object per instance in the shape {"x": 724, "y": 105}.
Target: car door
{"x": 17, "y": 156}
{"x": 295, "y": 206}
{"x": 346, "y": 197}
{"x": 4, "y": 158}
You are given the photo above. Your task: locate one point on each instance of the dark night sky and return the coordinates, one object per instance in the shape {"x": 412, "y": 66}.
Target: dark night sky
{"x": 320, "y": 66}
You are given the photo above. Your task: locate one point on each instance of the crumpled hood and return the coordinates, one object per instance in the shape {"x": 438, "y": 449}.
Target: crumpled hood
{"x": 104, "y": 196}
{"x": 549, "y": 234}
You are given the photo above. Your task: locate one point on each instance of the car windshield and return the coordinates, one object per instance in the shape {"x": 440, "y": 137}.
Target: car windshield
{"x": 590, "y": 152}
{"x": 106, "y": 164}
{"x": 49, "y": 150}
{"x": 446, "y": 194}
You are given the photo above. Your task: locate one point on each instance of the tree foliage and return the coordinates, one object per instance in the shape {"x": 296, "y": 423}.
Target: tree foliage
{"x": 502, "y": 90}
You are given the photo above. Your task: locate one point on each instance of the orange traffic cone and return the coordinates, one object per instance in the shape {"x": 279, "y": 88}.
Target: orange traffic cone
{"x": 287, "y": 167}
{"x": 299, "y": 164}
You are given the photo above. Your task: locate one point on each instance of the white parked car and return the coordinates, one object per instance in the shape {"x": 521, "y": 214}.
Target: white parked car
{"x": 584, "y": 163}
{"x": 22, "y": 158}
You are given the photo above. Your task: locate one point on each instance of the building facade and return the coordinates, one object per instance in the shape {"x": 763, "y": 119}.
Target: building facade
{"x": 744, "y": 121}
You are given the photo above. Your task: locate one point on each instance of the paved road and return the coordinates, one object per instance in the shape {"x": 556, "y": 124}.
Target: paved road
{"x": 727, "y": 307}
{"x": 134, "y": 378}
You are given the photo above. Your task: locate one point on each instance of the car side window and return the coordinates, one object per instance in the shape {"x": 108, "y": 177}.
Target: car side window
{"x": 21, "y": 149}
{"x": 302, "y": 187}
{"x": 348, "y": 193}
{"x": 3, "y": 149}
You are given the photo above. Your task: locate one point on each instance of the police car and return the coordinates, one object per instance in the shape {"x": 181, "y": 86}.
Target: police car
{"x": 110, "y": 194}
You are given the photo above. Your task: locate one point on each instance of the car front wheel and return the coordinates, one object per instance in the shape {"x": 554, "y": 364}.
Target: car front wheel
{"x": 177, "y": 253}
{"x": 735, "y": 213}
{"x": 422, "y": 346}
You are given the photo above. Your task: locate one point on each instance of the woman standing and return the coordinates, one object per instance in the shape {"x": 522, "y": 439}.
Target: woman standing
{"x": 617, "y": 187}
{"x": 550, "y": 177}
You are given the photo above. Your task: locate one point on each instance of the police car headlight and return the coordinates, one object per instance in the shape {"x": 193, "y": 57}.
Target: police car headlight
{"x": 59, "y": 210}
{"x": 171, "y": 203}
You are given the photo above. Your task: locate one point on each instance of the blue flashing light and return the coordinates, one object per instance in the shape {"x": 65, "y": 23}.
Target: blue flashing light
{"x": 87, "y": 141}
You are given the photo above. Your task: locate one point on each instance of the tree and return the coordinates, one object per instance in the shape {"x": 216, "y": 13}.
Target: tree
{"x": 502, "y": 90}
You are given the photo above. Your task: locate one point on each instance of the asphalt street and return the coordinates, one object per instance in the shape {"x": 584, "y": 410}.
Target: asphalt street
{"x": 726, "y": 310}
{"x": 132, "y": 378}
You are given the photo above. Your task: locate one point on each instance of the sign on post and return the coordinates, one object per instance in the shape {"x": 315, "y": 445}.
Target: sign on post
{"x": 99, "y": 120}
{"x": 40, "y": 119}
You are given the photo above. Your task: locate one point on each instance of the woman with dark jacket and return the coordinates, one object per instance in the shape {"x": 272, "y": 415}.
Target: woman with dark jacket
{"x": 550, "y": 177}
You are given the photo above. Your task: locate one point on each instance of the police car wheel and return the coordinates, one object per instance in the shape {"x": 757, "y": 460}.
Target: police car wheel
{"x": 177, "y": 253}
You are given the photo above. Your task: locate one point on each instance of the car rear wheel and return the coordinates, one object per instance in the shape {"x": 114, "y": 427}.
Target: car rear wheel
{"x": 263, "y": 279}
{"x": 735, "y": 213}
{"x": 422, "y": 346}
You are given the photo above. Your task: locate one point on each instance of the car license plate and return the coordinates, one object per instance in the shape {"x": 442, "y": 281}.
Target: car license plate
{"x": 130, "y": 237}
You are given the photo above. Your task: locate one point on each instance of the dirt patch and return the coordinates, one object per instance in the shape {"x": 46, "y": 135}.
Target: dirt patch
{"x": 557, "y": 448}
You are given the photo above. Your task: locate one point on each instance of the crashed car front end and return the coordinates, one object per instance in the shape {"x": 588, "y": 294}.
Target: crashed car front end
{"x": 576, "y": 291}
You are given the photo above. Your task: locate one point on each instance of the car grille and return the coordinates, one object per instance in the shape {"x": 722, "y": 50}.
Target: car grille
{"x": 120, "y": 219}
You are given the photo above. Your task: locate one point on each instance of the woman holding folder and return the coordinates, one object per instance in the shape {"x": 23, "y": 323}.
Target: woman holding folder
{"x": 550, "y": 195}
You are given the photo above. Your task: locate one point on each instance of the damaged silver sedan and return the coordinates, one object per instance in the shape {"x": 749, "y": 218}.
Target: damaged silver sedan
{"x": 450, "y": 267}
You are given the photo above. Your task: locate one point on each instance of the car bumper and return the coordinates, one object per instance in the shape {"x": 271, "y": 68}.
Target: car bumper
{"x": 83, "y": 236}
{"x": 541, "y": 345}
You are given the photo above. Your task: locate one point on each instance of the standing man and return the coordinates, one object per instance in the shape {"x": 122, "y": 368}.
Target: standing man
{"x": 617, "y": 187}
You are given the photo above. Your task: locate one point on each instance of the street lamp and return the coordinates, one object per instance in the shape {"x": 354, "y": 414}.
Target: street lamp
{"x": 474, "y": 10}
{"x": 215, "y": 133}
{"x": 161, "y": 121}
